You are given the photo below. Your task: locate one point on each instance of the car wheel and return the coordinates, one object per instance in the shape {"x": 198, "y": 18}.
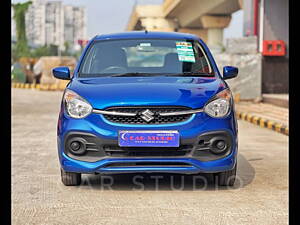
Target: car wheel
{"x": 226, "y": 178}
{"x": 70, "y": 178}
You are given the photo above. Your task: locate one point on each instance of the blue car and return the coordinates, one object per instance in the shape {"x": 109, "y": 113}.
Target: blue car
{"x": 146, "y": 102}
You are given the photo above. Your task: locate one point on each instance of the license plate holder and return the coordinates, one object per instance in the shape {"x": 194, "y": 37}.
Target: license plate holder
{"x": 148, "y": 138}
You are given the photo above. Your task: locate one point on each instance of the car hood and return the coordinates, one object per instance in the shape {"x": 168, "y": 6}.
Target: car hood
{"x": 105, "y": 92}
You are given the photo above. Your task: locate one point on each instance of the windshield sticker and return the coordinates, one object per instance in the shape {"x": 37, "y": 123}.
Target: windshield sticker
{"x": 145, "y": 44}
{"x": 185, "y": 52}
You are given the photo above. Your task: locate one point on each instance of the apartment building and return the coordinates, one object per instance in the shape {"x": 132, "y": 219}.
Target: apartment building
{"x": 52, "y": 22}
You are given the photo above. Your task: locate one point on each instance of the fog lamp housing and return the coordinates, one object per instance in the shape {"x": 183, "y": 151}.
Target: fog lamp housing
{"x": 77, "y": 146}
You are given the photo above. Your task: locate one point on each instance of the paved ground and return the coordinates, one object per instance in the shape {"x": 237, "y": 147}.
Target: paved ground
{"x": 277, "y": 96}
{"x": 281, "y": 100}
{"x": 38, "y": 197}
{"x": 266, "y": 111}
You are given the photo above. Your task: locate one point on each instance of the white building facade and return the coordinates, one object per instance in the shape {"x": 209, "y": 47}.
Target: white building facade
{"x": 51, "y": 22}
{"x": 13, "y": 25}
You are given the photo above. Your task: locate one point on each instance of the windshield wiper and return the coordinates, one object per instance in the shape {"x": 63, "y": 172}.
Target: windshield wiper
{"x": 136, "y": 74}
{"x": 133, "y": 74}
{"x": 191, "y": 74}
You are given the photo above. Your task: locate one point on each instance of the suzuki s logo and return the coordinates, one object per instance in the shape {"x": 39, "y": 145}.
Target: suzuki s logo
{"x": 147, "y": 115}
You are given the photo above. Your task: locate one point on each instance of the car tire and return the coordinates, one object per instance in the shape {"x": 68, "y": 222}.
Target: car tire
{"x": 70, "y": 178}
{"x": 226, "y": 178}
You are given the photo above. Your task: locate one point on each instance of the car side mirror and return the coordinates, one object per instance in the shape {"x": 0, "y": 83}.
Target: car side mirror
{"x": 230, "y": 72}
{"x": 62, "y": 73}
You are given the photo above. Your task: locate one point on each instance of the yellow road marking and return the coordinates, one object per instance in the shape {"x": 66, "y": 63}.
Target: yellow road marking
{"x": 262, "y": 122}
{"x": 243, "y": 115}
{"x": 270, "y": 124}
{"x": 278, "y": 127}
{"x": 287, "y": 130}
{"x": 249, "y": 117}
{"x": 255, "y": 119}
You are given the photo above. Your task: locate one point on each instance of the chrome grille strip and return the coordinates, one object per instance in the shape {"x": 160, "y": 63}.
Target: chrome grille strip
{"x": 114, "y": 113}
{"x": 181, "y": 112}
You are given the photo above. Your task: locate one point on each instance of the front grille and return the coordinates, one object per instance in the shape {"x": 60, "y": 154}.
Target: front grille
{"x": 148, "y": 164}
{"x": 157, "y": 119}
{"x": 116, "y": 151}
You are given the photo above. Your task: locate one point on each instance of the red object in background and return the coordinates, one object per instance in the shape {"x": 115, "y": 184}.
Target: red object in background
{"x": 273, "y": 48}
{"x": 255, "y": 24}
{"x": 82, "y": 42}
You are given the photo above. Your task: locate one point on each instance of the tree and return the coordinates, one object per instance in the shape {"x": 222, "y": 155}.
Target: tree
{"x": 51, "y": 50}
{"x": 21, "y": 47}
{"x": 67, "y": 48}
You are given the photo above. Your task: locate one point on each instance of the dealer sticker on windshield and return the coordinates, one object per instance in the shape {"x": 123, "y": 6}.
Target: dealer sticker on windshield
{"x": 148, "y": 138}
{"x": 185, "y": 51}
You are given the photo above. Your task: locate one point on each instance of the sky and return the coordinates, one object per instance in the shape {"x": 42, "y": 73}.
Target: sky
{"x": 110, "y": 16}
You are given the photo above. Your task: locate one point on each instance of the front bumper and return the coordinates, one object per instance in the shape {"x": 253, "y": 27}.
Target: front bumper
{"x": 195, "y": 166}
{"x": 190, "y": 131}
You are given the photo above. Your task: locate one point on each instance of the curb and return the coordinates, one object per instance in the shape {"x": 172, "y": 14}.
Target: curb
{"x": 41, "y": 87}
{"x": 278, "y": 127}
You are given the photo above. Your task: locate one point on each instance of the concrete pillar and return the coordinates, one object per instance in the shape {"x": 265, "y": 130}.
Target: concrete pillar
{"x": 215, "y": 26}
{"x": 157, "y": 24}
{"x": 215, "y": 37}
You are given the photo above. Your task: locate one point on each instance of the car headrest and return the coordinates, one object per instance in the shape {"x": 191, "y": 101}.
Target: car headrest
{"x": 172, "y": 63}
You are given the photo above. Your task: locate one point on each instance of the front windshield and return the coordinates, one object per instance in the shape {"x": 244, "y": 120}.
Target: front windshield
{"x": 145, "y": 56}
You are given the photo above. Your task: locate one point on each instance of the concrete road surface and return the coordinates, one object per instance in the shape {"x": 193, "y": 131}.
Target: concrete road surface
{"x": 260, "y": 195}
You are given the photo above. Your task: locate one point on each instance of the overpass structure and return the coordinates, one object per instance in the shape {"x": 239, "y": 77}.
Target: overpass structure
{"x": 205, "y": 18}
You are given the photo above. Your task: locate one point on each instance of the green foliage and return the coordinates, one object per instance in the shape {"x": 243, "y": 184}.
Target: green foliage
{"x": 223, "y": 49}
{"x": 21, "y": 47}
{"x": 17, "y": 74}
{"x": 51, "y": 50}
{"x": 19, "y": 17}
{"x": 69, "y": 52}
{"x": 19, "y": 50}
{"x": 67, "y": 48}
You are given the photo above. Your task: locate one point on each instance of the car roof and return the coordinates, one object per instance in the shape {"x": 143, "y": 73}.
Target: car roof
{"x": 147, "y": 34}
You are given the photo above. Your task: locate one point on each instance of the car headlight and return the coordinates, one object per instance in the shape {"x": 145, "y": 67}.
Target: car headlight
{"x": 76, "y": 106}
{"x": 220, "y": 104}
